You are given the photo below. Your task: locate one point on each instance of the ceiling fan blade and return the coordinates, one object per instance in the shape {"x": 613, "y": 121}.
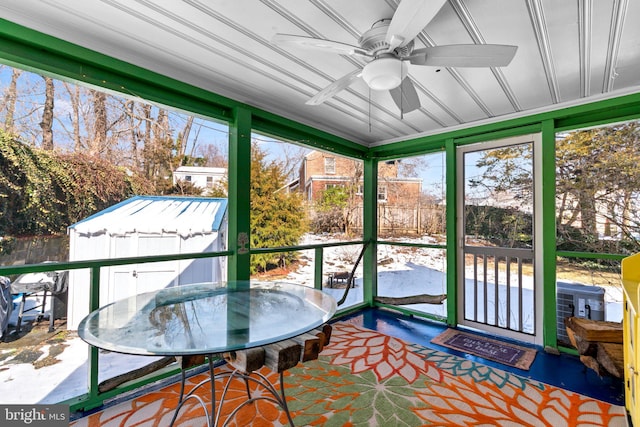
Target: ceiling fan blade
{"x": 464, "y": 55}
{"x": 405, "y": 96}
{"x": 409, "y": 19}
{"x": 335, "y": 87}
{"x": 313, "y": 43}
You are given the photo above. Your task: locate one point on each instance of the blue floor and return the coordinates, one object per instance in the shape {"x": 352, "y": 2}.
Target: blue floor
{"x": 563, "y": 371}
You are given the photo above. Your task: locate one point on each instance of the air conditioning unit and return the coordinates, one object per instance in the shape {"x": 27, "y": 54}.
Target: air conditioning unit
{"x": 576, "y": 299}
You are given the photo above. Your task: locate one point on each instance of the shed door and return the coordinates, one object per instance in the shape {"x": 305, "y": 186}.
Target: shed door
{"x": 156, "y": 275}
{"x": 132, "y": 279}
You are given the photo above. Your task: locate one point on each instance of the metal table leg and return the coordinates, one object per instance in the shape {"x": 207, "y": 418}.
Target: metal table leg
{"x": 213, "y": 415}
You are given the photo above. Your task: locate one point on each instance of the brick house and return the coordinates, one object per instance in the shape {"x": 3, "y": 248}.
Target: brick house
{"x": 398, "y": 198}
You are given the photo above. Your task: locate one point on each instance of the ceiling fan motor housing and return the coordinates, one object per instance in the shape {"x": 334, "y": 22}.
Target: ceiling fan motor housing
{"x": 385, "y": 72}
{"x": 374, "y": 40}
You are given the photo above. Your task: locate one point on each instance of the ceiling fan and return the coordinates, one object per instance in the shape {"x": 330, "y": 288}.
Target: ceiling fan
{"x": 390, "y": 46}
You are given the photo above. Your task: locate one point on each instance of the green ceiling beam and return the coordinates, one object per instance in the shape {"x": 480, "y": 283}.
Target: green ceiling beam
{"x": 40, "y": 53}
{"x": 31, "y": 50}
{"x": 279, "y": 127}
{"x": 622, "y": 108}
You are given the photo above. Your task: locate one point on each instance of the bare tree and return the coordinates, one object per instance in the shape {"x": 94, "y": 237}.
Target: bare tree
{"x": 47, "y": 114}
{"x": 74, "y": 99}
{"x": 146, "y": 140}
{"x": 10, "y": 101}
{"x": 99, "y": 141}
{"x": 183, "y": 138}
{"x": 214, "y": 156}
{"x": 291, "y": 157}
{"x": 129, "y": 107}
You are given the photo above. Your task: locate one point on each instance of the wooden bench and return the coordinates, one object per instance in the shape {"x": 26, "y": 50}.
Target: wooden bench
{"x": 341, "y": 277}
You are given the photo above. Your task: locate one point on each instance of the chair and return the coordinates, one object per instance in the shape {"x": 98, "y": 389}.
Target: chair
{"x": 52, "y": 284}
{"x": 6, "y": 306}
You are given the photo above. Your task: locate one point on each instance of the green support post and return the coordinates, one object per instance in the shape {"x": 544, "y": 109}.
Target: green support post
{"x": 93, "y": 400}
{"x": 452, "y": 234}
{"x": 239, "y": 238}
{"x": 548, "y": 227}
{"x": 370, "y": 230}
{"x": 317, "y": 274}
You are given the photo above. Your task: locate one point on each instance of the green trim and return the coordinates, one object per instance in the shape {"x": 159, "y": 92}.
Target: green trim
{"x": 31, "y": 50}
{"x": 590, "y": 255}
{"x": 412, "y": 245}
{"x": 452, "y": 234}
{"x": 93, "y": 357}
{"x": 548, "y": 230}
{"x": 285, "y": 129}
{"x": 569, "y": 350}
{"x": 412, "y": 313}
{"x": 85, "y": 403}
{"x": 622, "y": 108}
{"x": 499, "y": 134}
{"x": 26, "y": 48}
{"x": 423, "y": 145}
{"x": 603, "y": 112}
{"x": 280, "y": 249}
{"x": 34, "y": 51}
{"x": 107, "y": 262}
{"x": 349, "y": 310}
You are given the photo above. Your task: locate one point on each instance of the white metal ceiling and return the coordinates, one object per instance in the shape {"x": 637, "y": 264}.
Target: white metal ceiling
{"x": 568, "y": 52}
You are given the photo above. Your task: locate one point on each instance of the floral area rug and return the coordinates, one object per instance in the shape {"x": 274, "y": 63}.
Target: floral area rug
{"x": 365, "y": 378}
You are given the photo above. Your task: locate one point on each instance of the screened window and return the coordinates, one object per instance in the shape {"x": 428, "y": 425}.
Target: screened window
{"x": 382, "y": 194}
{"x": 330, "y": 165}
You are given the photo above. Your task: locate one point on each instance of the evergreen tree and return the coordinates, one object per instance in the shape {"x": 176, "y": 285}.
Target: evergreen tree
{"x": 277, "y": 216}
{"x": 598, "y": 181}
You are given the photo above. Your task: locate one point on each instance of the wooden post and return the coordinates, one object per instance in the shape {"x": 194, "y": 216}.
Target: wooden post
{"x": 247, "y": 360}
{"x": 325, "y": 330}
{"x": 310, "y": 346}
{"x": 282, "y": 355}
{"x": 187, "y": 362}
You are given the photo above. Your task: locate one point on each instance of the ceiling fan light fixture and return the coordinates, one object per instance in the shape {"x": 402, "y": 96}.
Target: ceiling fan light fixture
{"x": 384, "y": 73}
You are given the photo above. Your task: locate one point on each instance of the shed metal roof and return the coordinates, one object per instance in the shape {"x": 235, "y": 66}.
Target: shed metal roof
{"x": 185, "y": 216}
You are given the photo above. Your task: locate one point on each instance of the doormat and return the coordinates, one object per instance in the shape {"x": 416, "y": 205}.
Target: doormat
{"x": 499, "y": 351}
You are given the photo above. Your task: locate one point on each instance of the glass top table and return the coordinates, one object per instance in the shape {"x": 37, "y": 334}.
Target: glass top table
{"x": 210, "y": 319}
{"x": 207, "y": 318}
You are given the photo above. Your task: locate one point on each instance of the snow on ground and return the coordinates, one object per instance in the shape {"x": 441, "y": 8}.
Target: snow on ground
{"x": 402, "y": 271}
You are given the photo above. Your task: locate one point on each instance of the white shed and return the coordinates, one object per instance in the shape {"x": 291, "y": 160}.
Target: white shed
{"x": 143, "y": 226}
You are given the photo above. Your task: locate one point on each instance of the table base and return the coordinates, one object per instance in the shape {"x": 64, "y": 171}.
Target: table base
{"x": 213, "y": 415}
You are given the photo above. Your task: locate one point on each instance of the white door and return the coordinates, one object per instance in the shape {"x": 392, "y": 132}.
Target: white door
{"x": 497, "y": 247}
